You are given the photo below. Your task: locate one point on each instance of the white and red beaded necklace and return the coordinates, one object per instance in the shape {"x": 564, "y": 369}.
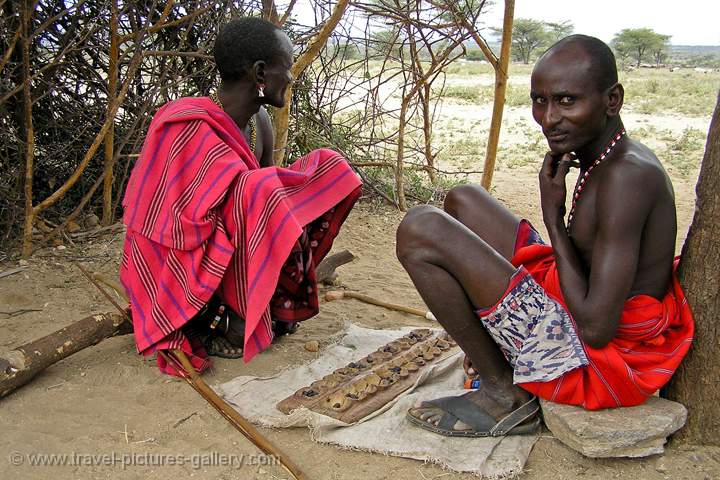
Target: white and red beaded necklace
{"x": 584, "y": 178}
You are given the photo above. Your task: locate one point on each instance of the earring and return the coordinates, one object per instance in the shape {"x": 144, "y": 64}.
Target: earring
{"x": 261, "y": 90}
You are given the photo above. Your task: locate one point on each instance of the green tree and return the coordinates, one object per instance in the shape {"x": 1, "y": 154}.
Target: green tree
{"x": 384, "y": 43}
{"x": 475, "y": 54}
{"x": 528, "y": 36}
{"x": 559, "y": 30}
{"x": 660, "y": 49}
{"x": 639, "y": 42}
{"x": 350, "y": 50}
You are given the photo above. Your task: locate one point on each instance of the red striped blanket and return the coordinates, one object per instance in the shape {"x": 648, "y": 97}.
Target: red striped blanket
{"x": 651, "y": 341}
{"x": 202, "y": 218}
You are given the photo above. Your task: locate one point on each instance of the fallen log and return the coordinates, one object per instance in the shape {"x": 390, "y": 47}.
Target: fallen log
{"x": 326, "y": 268}
{"x": 19, "y": 366}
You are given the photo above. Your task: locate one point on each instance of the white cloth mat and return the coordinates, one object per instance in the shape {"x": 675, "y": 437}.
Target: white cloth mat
{"x": 386, "y": 431}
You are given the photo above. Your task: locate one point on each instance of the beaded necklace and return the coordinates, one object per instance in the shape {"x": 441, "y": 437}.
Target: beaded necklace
{"x": 584, "y": 178}
{"x": 251, "y": 123}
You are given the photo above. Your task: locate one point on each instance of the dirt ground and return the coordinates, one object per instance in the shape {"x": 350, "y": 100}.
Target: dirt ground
{"x": 108, "y": 400}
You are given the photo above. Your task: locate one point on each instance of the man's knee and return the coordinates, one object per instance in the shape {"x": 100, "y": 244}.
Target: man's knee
{"x": 417, "y": 231}
{"x": 462, "y": 197}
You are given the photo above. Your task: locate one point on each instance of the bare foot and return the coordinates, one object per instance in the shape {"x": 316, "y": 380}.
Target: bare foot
{"x": 219, "y": 346}
{"x": 235, "y": 334}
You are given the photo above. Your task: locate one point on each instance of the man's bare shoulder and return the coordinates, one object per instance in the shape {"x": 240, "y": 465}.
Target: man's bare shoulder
{"x": 636, "y": 206}
{"x": 636, "y": 167}
{"x": 263, "y": 119}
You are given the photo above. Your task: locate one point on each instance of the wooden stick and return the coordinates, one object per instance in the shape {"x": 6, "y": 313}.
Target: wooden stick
{"x": 338, "y": 294}
{"x": 105, "y": 294}
{"x": 192, "y": 378}
{"x": 112, "y": 284}
{"x": 230, "y": 414}
{"x": 22, "y": 311}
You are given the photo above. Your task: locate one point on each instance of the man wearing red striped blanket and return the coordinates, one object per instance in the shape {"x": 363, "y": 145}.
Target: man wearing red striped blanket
{"x": 219, "y": 248}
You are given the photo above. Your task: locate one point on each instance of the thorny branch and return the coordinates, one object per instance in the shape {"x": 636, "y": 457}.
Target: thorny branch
{"x": 346, "y": 97}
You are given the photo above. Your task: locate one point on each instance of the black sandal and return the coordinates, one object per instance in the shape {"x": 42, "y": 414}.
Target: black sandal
{"x": 483, "y": 425}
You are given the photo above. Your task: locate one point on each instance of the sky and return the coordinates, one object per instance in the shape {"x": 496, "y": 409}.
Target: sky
{"x": 690, "y": 22}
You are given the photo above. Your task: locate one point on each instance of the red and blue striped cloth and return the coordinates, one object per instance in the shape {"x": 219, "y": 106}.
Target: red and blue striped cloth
{"x": 203, "y": 218}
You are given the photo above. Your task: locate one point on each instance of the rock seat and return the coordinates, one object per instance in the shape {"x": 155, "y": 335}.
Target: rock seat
{"x": 620, "y": 432}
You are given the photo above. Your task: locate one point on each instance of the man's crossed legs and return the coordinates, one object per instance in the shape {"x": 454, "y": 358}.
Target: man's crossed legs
{"x": 459, "y": 261}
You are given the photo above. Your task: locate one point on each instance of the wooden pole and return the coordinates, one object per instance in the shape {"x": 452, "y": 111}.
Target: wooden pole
{"x": 110, "y": 136}
{"x": 399, "y": 185}
{"x": 30, "y": 212}
{"x": 427, "y": 132}
{"x": 501, "y": 76}
{"x": 21, "y": 365}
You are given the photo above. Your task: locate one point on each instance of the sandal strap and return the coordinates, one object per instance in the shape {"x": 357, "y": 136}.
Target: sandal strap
{"x": 468, "y": 412}
{"x": 464, "y": 410}
{"x": 515, "y": 418}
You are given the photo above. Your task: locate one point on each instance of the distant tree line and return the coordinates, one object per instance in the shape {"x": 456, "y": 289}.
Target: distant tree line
{"x": 531, "y": 37}
{"x": 637, "y": 45}
{"x": 641, "y": 45}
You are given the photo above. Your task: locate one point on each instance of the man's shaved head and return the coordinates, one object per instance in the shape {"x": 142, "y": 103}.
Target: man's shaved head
{"x": 575, "y": 93}
{"x": 602, "y": 67}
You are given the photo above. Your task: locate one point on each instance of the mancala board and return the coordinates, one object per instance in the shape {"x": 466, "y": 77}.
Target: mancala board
{"x": 364, "y": 386}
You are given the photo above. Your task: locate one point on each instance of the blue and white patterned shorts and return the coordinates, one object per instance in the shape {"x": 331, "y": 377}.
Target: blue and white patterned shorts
{"x": 534, "y": 332}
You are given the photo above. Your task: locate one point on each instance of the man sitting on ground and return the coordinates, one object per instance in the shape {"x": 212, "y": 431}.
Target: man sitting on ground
{"x": 218, "y": 249}
{"x": 596, "y": 318}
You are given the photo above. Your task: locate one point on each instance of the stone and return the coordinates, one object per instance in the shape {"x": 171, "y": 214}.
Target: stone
{"x": 312, "y": 346}
{"x": 92, "y": 221}
{"x": 619, "y": 432}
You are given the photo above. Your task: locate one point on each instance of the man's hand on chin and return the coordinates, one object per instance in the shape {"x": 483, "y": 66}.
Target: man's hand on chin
{"x": 552, "y": 185}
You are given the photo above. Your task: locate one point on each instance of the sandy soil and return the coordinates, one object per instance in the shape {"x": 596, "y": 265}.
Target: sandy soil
{"x": 108, "y": 400}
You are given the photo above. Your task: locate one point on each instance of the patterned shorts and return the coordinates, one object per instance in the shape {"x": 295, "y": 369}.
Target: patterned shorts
{"x": 534, "y": 332}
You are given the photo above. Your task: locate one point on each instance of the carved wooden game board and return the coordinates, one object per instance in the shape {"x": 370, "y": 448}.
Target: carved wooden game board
{"x": 364, "y": 386}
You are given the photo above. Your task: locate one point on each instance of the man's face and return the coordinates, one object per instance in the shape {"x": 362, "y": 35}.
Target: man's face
{"x": 278, "y": 75}
{"x": 567, "y": 102}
